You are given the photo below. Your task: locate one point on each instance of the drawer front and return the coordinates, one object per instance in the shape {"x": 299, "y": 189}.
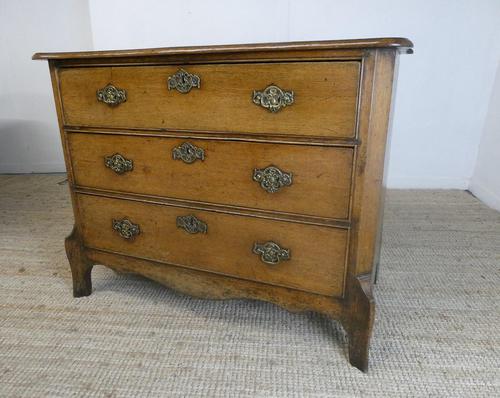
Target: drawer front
{"x": 314, "y": 180}
{"x": 305, "y": 257}
{"x": 230, "y": 97}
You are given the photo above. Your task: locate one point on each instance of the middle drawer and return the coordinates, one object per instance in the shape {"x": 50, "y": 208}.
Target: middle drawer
{"x": 289, "y": 178}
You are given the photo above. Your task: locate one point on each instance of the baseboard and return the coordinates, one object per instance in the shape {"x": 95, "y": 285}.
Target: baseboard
{"x": 23, "y": 168}
{"x": 427, "y": 183}
{"x": 485, "y": 195}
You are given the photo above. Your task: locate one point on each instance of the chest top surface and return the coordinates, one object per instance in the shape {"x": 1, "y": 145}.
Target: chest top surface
{"x": 399, "y": 43}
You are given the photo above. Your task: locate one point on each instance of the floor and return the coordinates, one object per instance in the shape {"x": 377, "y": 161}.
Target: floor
{"x": 436, "y": 331}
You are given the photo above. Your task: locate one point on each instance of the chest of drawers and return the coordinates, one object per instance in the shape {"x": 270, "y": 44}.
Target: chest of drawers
{"x": 241, "y": 171}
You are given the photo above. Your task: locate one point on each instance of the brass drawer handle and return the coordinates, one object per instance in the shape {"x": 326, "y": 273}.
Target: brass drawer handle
{"x": 126, "y": 228}
{"x": 188, "y": 153}
{"x": 272, "y": 179}
{"x": 183, "y": 81}
{"x": 273, "y": 98}
{"x": 271, "y": 253}
{"x": 111, "y": 95}
{"x": 191, "y": 224}
{"x": 118, "y": 163}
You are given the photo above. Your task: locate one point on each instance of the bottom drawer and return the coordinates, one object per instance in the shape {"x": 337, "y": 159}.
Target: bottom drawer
{"x": 289, "y": 254}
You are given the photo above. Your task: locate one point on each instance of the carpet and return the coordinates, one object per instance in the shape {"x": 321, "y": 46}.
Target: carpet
{"x": 436, "y": 331}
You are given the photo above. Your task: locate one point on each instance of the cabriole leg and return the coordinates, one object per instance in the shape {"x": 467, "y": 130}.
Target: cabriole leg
{"x": 81, "y": 267}
{"x": 358, "y": 321}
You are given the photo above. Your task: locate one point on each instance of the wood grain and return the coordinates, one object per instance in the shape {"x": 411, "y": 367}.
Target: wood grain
{"x": 369, "y": 170}
{"x": 217, "y": 208}
{"x": 325, "y": 98}
{"x": 397, "y": 43}
{"x": 230, "y": 136}
{"x": 321, "y": 175}
{"x": 317, "y": 263}
{"x": 359, "y": 315}
{"x": 81, "y": 266}
{"x": 208, "y": 285}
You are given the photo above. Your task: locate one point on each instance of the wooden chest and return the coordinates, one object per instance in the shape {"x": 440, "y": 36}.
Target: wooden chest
{"x": 241, "y": 171}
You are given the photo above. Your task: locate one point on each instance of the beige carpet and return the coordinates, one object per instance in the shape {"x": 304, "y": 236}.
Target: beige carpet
{"x": 436, "y": 330}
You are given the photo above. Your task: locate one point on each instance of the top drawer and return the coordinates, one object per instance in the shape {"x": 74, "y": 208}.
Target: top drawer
{"x": 229, "y": 98}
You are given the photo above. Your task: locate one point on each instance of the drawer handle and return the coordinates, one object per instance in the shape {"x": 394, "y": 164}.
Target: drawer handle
{"x": 118, "y": 163}
{"x": 188, "y": 153}
{"x": 126, "y": 228}
{"x": 183, "y": 81}
{"x": 273, "y": 98}
{"x": 272, "y": 179}
{"x": 191, "y": 224}
{"x": 271, "y": 253}
{"x": 111, "y": 95}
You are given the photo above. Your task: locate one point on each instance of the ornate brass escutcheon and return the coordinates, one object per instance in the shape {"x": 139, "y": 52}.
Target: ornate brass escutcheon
{"x": 188, "y": 153}
{"x": 191, "y": 224}
{"x": 118, "y": 163}
{"x": 271, "y": 253}
{"x": 183, "y": 81}
{"x": 273, "y": 98}
{"x": 272, "y": 179}
{"x": 111, "y": 95}
{"x": 126, "y": 228}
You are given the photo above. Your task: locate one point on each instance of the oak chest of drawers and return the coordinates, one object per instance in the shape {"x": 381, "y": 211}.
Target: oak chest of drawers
{"x": 242, "y": 171}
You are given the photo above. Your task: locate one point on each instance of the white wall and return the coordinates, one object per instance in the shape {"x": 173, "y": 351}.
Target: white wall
{"x": 443, "y": 89}
{"x": 29, "y": 136}
{"x": 442, "y": 95}
{"x": 485, "y": 182}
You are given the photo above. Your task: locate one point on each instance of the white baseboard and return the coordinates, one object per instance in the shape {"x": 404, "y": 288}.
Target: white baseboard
{"x": 23, "y": 168}
{"x": 485, "y": 195}
{"x": 427, "y": 183}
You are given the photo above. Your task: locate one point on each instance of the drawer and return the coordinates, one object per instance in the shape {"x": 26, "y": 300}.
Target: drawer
{"x": 314, "y": 180}
{"x": 324, "y": 98}
{"x": 306, "y": 257}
